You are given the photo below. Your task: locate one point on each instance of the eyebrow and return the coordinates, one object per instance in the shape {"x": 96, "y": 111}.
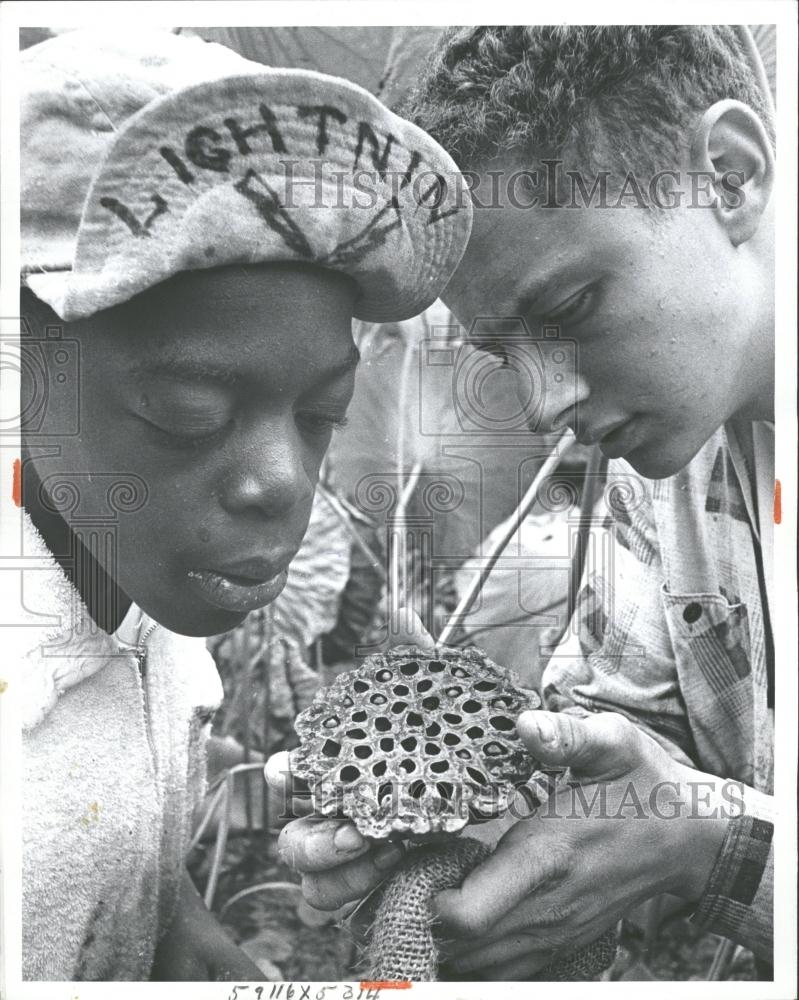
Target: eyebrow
{"x": 350, "y": 363}
{"x": 183, "y": 369}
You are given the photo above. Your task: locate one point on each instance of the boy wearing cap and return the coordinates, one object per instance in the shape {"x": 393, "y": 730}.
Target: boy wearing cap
{"x": 621, "y": 178}
{"x": 193, "y": 252}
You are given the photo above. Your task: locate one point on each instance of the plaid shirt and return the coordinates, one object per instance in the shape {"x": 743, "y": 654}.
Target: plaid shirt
{"x": 669, "y": 630}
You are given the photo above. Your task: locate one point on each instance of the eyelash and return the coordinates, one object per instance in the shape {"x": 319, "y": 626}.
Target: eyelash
{"x": 570, "y": 311}
{"x": 185, "y": 442}
{"x": 323, "y": 422}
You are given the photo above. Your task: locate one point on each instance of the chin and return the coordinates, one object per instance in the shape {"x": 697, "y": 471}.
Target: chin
{"x": 195, "y": 622}
{"x": 653, "y": 463}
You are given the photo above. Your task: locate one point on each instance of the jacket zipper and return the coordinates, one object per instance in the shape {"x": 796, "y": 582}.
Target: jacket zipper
{"x": 141, "y": 660}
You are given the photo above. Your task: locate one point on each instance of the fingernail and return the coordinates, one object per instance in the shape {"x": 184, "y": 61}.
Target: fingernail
{"x": 347, "y": 838}
{"x": 547, "y": 731}
{"x": 387, "y": 856}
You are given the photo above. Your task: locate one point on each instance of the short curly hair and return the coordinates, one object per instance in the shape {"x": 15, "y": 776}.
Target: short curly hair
{"x": 608, "y": 95}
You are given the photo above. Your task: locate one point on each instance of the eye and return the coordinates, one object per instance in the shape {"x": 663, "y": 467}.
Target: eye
{"x": 185, "y": 441}
{"x": 317, "y": 423}
{"x": 574, "y": 309}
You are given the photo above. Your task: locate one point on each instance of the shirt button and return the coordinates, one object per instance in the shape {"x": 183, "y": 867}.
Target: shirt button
{"x": 692, "y": 612}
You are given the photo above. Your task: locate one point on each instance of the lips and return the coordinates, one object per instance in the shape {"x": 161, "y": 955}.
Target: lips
{"x": 241, "y": 587}
{"x": 612, "y": 438}
{"x": 617, "y": 442}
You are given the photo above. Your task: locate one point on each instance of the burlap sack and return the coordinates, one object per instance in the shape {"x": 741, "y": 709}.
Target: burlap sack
{"x": 402, "y": 945}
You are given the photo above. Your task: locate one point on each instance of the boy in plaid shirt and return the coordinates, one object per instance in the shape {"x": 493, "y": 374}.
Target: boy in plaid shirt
{"x": 621, "y": 178}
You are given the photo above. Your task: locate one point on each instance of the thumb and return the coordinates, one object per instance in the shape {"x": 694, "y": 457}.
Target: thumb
{"x": 405, "y": 628}
{"x": 603, "y": 746}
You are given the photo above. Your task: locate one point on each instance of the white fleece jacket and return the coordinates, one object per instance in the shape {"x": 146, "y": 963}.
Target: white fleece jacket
{"x": 114, "y": 762}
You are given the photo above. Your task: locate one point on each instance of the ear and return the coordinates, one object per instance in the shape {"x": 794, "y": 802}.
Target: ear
{"x": 732, "y": 144}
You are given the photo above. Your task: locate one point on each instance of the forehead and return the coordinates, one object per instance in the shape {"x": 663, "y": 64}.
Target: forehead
{"x": 266, "y": 323}
{"x": 516, "y": 253}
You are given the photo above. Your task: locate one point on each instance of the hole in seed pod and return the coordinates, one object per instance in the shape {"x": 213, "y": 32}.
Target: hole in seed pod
{"x": 347, "y": 702}
{"x": 451, "y": 740}
{"x": 299, "y": 786}
{"x": 382, "y": 725}
{"x": 445, "y": 789}
{"x": 378, "y": 699}
{"x": 484, "y": 686}
{"x": 387, "y": 744}
{"x": 402, "y": 690}
{"x": 458, "y": 672}
{"x": 414, "y": 719}
{"x": 477, "y": 776}
{"x": 463, "y": 754}
{"x": 470, "y": 705}
{"x": 359, "y": 716}
{"x": 416, "y": 789}
{"x": 379, "y": 769}
{"x": 409, "y": 669}
{"x": 435, "y": 666}
{"x": 474, "y": 732}
{"x": 349, "y": 773}
{"x": 502, "y": 723}
{"x": 384, "y": 792}
{"x": 330, "y": 723}
{"x": 432, "y": 748}
{"x": 453, "y": 692}
{"x": 433, "y": 729}
{"x": 500, "y": 702}
{"x": 399, "y": 706}
{"x": 362, "y": 752}
{"x": 452, "y": 719}
{"x": 360, "y": 686}
{"x": 408, "y": 765}
{"x": 494, "y": 749}
{"x": 430, "y": 703}
{"x": 331, "y": 748}
{"x": 356, "y": 734}
{"x": 439, "y": 766}
{"x": 409, "y": 744}
{"x": 424, "y": 685}
{"x": 384, "y": 675}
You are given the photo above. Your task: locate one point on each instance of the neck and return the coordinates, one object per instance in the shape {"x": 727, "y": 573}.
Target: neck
{"x": 105, "y": 601}
{"x": 758, "y": 375}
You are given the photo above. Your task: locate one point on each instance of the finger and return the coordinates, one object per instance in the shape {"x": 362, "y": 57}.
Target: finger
{"x": 314, "y": 843}
{"x": 328, "y": 890}
{"x": 516, "y": 868}
{"x": 277, "y": 772}
{"x": 362, "y": 916}
{"x": 605, "y": 745}
{"x": 509, "y": 949}
{"x": 516, "y": 970}
{"x": 289, "y": 796}
{"x": 406, "y": 629}
{"x": 534, "y": 917}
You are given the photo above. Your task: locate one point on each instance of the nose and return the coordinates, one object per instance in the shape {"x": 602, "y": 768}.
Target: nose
{"x": 268, "y": 470}
{"x": 551, "y": 390}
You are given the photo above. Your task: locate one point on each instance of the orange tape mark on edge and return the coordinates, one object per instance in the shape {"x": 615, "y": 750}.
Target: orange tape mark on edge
{"x": 777, "y": 502}
{"x": 399, "y": 984}
{"x": 16, "y": 486}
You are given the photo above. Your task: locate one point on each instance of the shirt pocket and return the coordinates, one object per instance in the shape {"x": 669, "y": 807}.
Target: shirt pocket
{"x": 712, "y": 646}
{"x": 714, "y": 633}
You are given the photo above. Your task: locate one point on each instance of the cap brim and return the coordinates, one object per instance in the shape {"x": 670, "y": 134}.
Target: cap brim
{"x": 278, "y": 165}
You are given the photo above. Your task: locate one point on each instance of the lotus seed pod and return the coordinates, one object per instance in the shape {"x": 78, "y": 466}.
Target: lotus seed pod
{"x": 415, "y": 742}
